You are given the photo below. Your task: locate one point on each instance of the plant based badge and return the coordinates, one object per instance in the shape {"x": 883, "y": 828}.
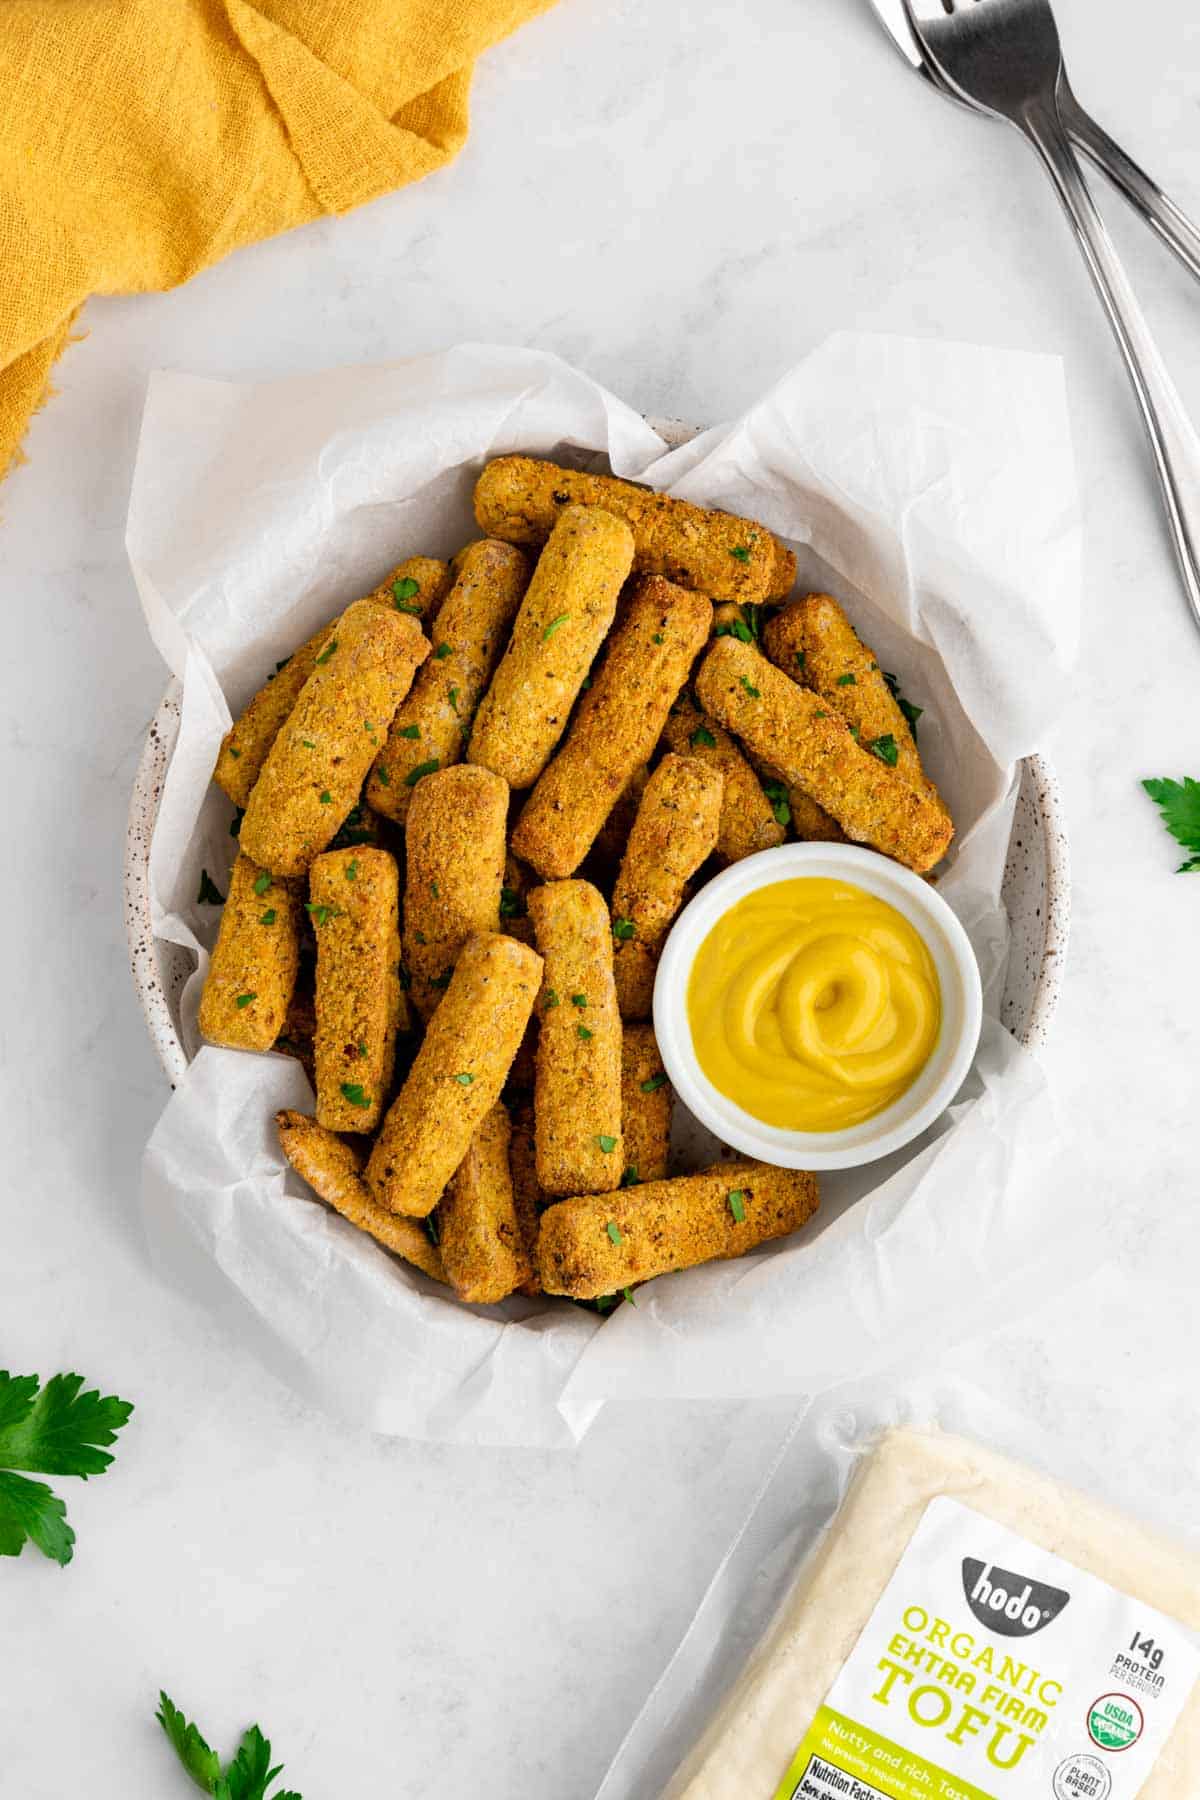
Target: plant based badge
{"x": 1010, "y": 1605}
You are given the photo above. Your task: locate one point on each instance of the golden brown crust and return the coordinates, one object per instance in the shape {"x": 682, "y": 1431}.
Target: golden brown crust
{"x": 715, "y": 553}
{"x": 455, "y": 873}
{"x": 810, "y": 746}
{"x": 474, "y": 1033}
{"x": 333, "y": 1169}
{"x": 660, "y": 631}
{"x": 252, "y": 973}
{"x": 747, "y": 822}
{"x": 482, "y": 1246}
{"x": 244, "y": 747}
{"x": 783, "y": 576}
{"x": 355, "y": 909}
{"x": 528, "y": 1197}
{"x": 598, "y": 1245}
{"x": 469, "y": 633}
{"x": 676, "y": 829}
{"x": 647, "y": 1102}
{"x": 567, "y": 610}
{"x": 577, "y": 1097}
{"x": 314, "y": 772}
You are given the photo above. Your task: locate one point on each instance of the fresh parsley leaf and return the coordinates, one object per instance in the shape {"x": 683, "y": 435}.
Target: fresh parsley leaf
{"x": 740, "y": 553}
{"x": 309, "y": 743}
{"x": 510, "y": 903}
{"x": 464, "y": 1079}
{"x": 848, "y": 680}
{"x": 452, "y": 697}
{"x": 911, "y": 713}
{"x": 247, "y": 1777}
{"x": 886, "y": 749}
{"x": 553, "y": 626}
{"x": 623, "y": 929}
{"x": 735, "y": 628}
{"x": 434, "y": 890}
{"x": 262, "y": 882}
{"x": 321, "y": 915}
{"x": 351, "y": 869}
{"x": 737, "y": 1205}
{"x": 749, "y": 687}
{"x": 51, "y": 1430}
{"x": 614, "y": 1232}
{"x": 403, "y": 592}
{"x": 799, "y": 658}
{"x": 579, "y": 1000}
{"x": 409, "y": 731}
{"x": 200, "y": 1762}
{"x": 781, "y": 806}
{"x": 1179, "y": 804}
{"x": 607, "y": 1144}
{"x": 244, "y": 1000}
{"x": 550, "y": 1000}
{"x": 441, "y": 653}
{"x": 210, "y": 894}
{"x": 326, "y": 798}
{"x": 582, "y": 1032}
{"x": 385, "y": 779}
{"x": 326, "y": 653}
{"x": 268, "y": 918}
{"x": 433, "y": 1230}
{"x": 353, "y": 1092}
{"x": 659, "y": 638}
{"x": 426, "y": 768}
{"x": 627, "y": 1294}
{"x": 655, "y": 1082}
{"x": 702, "y": 735}
{"x": 630, "y": 1178}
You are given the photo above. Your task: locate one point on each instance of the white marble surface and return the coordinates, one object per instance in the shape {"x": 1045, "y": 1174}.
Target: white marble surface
{"x": 681, "y": 205}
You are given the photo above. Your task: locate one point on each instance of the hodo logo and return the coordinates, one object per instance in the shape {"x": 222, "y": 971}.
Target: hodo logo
{"x": 1010, "y": 1605}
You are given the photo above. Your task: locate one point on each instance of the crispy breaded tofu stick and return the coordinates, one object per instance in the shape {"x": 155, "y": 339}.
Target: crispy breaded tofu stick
{"x": 457, "y": 1074}
{"x": 811, "y": 823}
{"x": 748, "y": 823}
{"x": 716, "y": 553}
{"x": 355, "y": 910}
{"x": 334, "y": 1170}
{"x": 598, "y": 1245}
{"x": 613, "y": 835}
{"x": 528, "y": 1197}
{"x": 661, "y": 630}
{"x": 430, "y": 729}
{"x": 810, "y": 746}
{"x": 314, "y": 772}
{"x": 254, "y": 964}
{"x": 647, "y": 1102}
{"x": 814, "y": 642}
{"x": 577, "y": 1096}
{"x": 415, "y": 587}
{"x": 482, "y": 1246}
{"x": 564, "y": 618}
{"x": 455, "y": 873}
{"x": 676, "y": 828}
{"x": 783, "y": 576}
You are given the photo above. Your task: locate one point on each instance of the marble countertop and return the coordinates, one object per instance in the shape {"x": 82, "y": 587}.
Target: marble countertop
{"x": 682, "y": 204}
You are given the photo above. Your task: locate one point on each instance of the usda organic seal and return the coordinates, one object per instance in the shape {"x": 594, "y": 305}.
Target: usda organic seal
{"x": 1082, "y": 1778}
{"x": 1115, "y": 1721}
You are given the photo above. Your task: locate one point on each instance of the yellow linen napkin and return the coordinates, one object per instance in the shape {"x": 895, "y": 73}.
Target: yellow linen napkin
{"x": 141, "y": 140}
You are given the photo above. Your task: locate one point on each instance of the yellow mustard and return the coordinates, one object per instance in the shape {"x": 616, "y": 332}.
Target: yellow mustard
{"x": 813, "y": 1005}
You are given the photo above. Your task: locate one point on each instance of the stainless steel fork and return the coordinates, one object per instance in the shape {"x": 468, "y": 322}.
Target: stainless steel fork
{"x": 1005, "y": 57}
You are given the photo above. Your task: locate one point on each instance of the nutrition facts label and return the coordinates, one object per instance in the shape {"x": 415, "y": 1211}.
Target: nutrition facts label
{"x": 821, "y": 1781}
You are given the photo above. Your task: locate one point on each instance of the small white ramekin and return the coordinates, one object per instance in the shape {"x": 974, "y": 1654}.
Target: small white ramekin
{"x": 936, "y": 1085}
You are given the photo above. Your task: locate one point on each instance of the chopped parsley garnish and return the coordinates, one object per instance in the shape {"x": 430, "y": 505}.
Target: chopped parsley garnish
{"x": 614, "y": 1232}
{"x": 553, "y": 626}
{"x": 326, "y": 798}
{"x": 362, "y": 1050}
{"x": 268, "y": 918}
{"x": 431, "y": 1230}
{"x": 244, "y": 1000}
{"x": 550, "y": 1000}
{"x": 607, "y": 1144}
{"x": 385, "y": 779}
{"x": 740, "y": 553}
{"x": 262, "y": 883}
{"x": 210, "y": 894}
{"x": 353, "y": 1092}
{"x": 631, "y": 1177}
{"x": 702, "y": 735}
{"x": 777, "y": 794}
{"x": 659, "y": 638}
{"x": 464, "y": 1079}
{"x": 352, "y": 869}
{"x": 409, "y": 731}
{"x": 308, "y": 743}
{"x": 582, "y": 1032}
{"x": 578, "y": 999}
{"x": 820, "y": 715}
{"x": 655, "y": 1082}
{"x": 737, "y": 1205}
{"x": 441, "y": 653}
{"x": 849, "y": 680}
{"x": 234, "y": 753}
{"x": 628, "y": 1295}
{"x": 1179, "y": 803}
{"x": 320, "y": 914}
{"x": 735, "y": 628}
{"x": 433, "y": 888}
{"x": 425, "y": 768}
{"x": 510, "y": 903}
{"x": 623, "y": 929}
{"x": 750, "y": 687}
{"x": 886, "y": 749}
{"x": 327, "y": 652}
{"x": 51, "y": 1430}
{"x": 452, "y": 697}
{"x": 799, "y": 659}
{"x": 911, "y": 713}
{"x": 403, "y": 592}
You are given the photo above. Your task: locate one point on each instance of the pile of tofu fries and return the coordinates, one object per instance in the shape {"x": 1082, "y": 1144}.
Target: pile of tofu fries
{"x": 470, "y": 808}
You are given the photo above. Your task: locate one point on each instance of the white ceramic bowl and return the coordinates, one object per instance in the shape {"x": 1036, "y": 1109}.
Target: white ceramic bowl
{"x": 936, "y": 1085}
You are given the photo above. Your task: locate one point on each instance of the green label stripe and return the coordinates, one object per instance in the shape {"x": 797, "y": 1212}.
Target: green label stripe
{"x": 887, "y": 1770}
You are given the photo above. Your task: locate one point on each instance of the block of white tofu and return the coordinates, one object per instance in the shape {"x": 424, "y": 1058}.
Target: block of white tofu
{"x": 750, "y": 1745}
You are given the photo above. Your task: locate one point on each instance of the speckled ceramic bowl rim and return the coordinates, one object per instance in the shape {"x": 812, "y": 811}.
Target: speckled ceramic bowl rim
{"x": 158, "y": 990}
{"x": 937, "y": 1083}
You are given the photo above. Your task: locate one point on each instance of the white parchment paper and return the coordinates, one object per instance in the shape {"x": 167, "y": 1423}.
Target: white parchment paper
{"x": 931, "y": 487}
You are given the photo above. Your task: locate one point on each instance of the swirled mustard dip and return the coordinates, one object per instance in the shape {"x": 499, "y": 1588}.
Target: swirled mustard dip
{"x": 813, "y": 1005}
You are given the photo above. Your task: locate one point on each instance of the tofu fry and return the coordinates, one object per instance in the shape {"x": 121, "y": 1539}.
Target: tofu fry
{"x": 748, "y": 822}
{"x": 252, "y": 973}
{"x": 564, "y": 618}
{"x": 528, "y": 1197}
{"x": 455, "y": 873}
{"x": 334, "y": 1171}
{"x": 457, "y": 1074}
{"x": 482, "y": 1246}
{"x": 415, "y": 586}
{"x": 676, "y": 829}
{"x": 430, "y": 729}
{"x": 577, "y": 1094}
{"x": 715, "y": 553}
{"x": 814, "y": 642}
{"x": 647, "y": 1102}
{"x": 314, "y": 772}
{"x": 661, "y": 630}
{"x": 810, "y": 746}
{"x": 598, "y": 1245}
{"x": 355, "y": 910}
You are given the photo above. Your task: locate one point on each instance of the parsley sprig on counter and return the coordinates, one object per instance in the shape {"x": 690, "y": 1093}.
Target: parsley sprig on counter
{"x": 51, "y": 1430}
{"x": 1179, "y": 804}
{"x": 247, "y": 1777}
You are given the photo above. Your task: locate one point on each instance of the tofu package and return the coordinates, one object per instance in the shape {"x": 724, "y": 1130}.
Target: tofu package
{"x": 910, "y": 1614}
{"x": 930, "y": 487}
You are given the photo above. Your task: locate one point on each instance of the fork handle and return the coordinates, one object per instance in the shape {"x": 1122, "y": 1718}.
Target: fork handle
{"x": 1157, "y": 209}
{"x": 1173, "y": 438}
